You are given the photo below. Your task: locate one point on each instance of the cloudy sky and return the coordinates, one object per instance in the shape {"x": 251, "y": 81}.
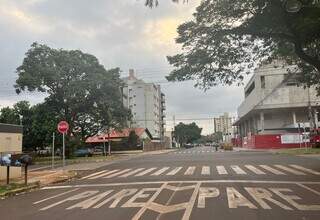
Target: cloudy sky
{"x": 122, "y": 33}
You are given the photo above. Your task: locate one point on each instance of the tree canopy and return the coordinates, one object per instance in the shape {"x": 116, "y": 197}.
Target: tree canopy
{"x": 80, "y": 90}
{"x": 187, "y": 133}
{"x": 228, "y": 38}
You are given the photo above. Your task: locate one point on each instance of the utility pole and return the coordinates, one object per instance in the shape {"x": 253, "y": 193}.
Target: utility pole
{"x": 53, "y": 137}
{"x": 310, "y": 116}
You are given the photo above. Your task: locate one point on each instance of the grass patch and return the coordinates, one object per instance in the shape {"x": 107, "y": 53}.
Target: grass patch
{"x": 14, "y": 187}
{"x": 299, "y": 151}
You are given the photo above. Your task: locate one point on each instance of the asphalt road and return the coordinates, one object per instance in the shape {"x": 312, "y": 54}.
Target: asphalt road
{"x": 196, "y": 183}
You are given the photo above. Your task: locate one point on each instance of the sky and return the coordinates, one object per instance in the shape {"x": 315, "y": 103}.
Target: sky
{"x": 121, "y": 33}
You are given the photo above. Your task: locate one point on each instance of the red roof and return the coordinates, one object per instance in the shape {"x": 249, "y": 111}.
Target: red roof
{"x": 115, "y": 135}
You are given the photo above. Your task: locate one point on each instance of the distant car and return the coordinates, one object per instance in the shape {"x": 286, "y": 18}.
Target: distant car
{"x": 83, "y": 152}
{"x": 98, "y": 150}
{"x": 188, "y": 146}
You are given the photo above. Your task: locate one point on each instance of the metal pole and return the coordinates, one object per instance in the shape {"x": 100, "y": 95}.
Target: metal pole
{"x": 104, "y": 146}
{"x": 8, "y": 175}
{"x": 299, "y": 135}
{"x": 63, "y": 151}
{"x": 109, "y": 143}
{"x": 53, "y": 137}
{"x": 304, "y": 135}
{"x": 26, "y": 174}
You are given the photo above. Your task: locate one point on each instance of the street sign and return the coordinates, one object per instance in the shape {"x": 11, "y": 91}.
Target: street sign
{"x": 63, "y": 127}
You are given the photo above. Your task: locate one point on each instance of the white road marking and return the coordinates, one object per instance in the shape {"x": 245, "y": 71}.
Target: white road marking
{"x": 146, "y": 171}
{"x": 255, "y": 170}
{"x": 296, "y": 172}
{"x": 117, "y": 174}
{"x": 82, "y": 195}
{"x": 93, "y": 174}
{"x": 175, "y": 182}
{"x": 55, "y": 196}
{"x": 206, "y": 192}
{"x": 190, "y": 171}
{"x": 236, "y": 199}
{"x": 221, "y": 170}
{"x": 261, "y": 194}
{"x": 305, "y": 169}
{"x": 205, "y": 170}
{"x": 308, "y": 188}
{"x": 117, "y": 198}
{"x": 272, "y": 170}
{"x": 161, "y": 171}
{"x": 238, "y": 170}
{"x": 174, "y": 171}
{"x": 88, "y": 203}
{"x": 103, "y": 174}
{"x": 132, "y": 172}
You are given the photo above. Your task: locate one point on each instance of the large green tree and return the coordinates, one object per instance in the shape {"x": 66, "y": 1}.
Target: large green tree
{"x": 187, "y": 133}
{"x": 80, "y": 90}
{"x": 228, "y": 38}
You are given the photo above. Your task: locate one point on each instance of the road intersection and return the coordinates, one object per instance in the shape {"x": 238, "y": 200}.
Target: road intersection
{"x": 209, "y": 185}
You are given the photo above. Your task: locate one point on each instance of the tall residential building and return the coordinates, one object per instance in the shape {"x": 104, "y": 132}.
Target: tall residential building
{"x": 223, "y": 124}
{"x": 147, "y": 104}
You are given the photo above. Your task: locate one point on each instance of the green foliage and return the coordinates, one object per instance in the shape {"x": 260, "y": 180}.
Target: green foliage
{"x": 228, "y": 38}
{"x": 187, "y": 133}
{"x": 133, "y": 139}
{"x": 79, "y": 88}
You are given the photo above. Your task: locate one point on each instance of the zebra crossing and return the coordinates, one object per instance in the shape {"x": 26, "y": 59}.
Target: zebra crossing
{"x": 195, "y": 151}
{"x": 247, "y": 169}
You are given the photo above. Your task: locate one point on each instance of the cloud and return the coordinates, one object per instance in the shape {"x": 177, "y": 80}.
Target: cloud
{"x": 121, "y": 33}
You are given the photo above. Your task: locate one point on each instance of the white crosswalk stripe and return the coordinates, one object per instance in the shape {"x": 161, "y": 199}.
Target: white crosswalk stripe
{"x": 132, "y": 172}
{"x": 255, "y": 170}
{"x": 190, "y": 171}
{"x": 174, "y": 171}
{"x": 288, "y": 169}
{"x": 205, "y": 170}
{"x": 103, "y": 174}
{"x": 221, "y": 170}
{"x": 248, "y": 169}
{"x": 93, "y": 174}
{"x": 117, "y": 174}
{"x": 161, "y": 171}
{"x": 146, "y": 171}
{"x": 272, "y": 170}
{"x": 305, "y": 169}
{"x": 238, "y": 170}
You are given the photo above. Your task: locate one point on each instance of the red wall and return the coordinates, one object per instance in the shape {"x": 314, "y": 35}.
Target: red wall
{"x": 266, "y": 142}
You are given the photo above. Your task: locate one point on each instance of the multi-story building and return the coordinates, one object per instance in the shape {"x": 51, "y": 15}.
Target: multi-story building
{"x": 275, "y": 105}
{"x": 223, "y": 124}
{"x": 147, "y": 104}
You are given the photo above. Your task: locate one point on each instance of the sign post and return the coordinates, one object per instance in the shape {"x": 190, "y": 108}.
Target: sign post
{"x": 63, "y": 128}
{"x": 53, "y": 137}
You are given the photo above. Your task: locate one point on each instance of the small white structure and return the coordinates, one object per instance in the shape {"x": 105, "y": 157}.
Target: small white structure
{"x": 10, "y": 142}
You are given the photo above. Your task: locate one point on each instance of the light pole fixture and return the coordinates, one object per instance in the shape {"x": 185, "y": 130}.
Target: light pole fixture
{"x": 292, "y": 6}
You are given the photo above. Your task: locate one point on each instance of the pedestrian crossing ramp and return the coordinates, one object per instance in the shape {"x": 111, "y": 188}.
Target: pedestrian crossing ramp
{"x": 241, "y": 170}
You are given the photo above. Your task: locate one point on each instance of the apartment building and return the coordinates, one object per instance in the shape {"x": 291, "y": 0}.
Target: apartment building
{"x": 275, "y": 106}
{"x": 147, "y": 104}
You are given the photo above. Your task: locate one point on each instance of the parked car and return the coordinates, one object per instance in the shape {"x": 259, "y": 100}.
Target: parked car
{"x": 98, "y": 150}
{"x": 187, "y": 146}
{"x": 83, "y": 152}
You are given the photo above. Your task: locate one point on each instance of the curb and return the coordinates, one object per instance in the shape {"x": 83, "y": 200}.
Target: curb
{"x": 20, "y": 190}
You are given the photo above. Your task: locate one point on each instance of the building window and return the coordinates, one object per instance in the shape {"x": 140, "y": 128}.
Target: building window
{"x": 263, "y": 82}
{"x": 250, "y": 89}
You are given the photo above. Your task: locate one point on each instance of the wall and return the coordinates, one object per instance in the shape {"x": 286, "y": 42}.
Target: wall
{"x": 153, "y": 146}
{"x": 272, "y": 141}
{"x": 11, "y": 143}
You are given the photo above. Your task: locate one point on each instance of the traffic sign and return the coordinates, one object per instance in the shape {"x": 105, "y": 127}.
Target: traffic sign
{"x": 63, "y": 127}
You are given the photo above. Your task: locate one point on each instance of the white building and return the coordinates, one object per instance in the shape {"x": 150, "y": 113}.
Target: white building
{"x": 274, "y": 104}
{"x": 147, "y": 104}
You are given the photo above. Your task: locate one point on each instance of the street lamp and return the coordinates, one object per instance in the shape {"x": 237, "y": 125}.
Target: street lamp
{"x": 292, "y": 6}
